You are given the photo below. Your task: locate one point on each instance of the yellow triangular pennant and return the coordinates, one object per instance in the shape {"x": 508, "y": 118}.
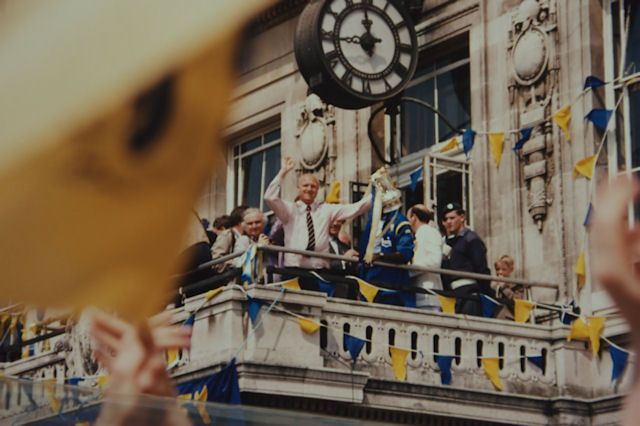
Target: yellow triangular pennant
{"x": 213, "y": 293}
{"x": 452, "y": 144}
{"x": 584, "y": 167}
{"x": 399, "y": 362}
{"x": 202, "y": 396}
{"x": 496, "y": 143}
{"x": 308, "y": 326}
{"x": 447, "y": 304}
{"x": 333, "y": 197}
{"x": 172, "y": 356}
{"x": 102, "y": 381}
{"x": 292, "y": 284}
{"x": 563, "y": 120}
{"x": 580, "y": 269}
{"x": 595, "y": 325}
{"x": 491, "y": 367}
{"x": 579, "y": 330}
{"x": 368, "y": 291}
{"x": 50, "y": 392}
{"x": 522, "y": 310}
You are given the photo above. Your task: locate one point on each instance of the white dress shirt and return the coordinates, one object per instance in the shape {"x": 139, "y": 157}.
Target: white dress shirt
{"x": 294, "y": 220}
{"x": 428, "y": 253}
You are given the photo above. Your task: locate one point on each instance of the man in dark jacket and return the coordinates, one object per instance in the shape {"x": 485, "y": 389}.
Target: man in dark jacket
{"x": 463, "y": 251}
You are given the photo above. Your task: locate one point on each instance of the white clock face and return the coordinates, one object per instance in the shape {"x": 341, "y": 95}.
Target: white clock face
{"x": 367, "y": 44}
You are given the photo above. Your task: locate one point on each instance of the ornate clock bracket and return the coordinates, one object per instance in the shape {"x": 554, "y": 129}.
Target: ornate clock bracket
{"x": 533, "y": 84}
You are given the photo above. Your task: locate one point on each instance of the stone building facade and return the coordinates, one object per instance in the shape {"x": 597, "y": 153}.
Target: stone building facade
{"x": 489, "y": 65}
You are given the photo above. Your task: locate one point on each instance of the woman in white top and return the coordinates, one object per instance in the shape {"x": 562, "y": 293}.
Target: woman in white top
{"x": 428, "y": 253}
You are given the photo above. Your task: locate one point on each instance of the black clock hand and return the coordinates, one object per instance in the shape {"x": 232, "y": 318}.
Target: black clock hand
{"x": 352, "y": 39}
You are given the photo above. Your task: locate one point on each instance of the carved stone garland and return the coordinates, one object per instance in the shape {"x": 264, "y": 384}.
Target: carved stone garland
{"x": 533, "y": 82}
{"x": 316, "y": 141}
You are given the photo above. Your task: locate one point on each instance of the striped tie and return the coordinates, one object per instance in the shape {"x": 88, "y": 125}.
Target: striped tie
{"x": 311, "y": 246}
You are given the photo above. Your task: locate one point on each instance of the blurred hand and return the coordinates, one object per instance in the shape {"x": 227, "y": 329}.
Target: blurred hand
{"x": 286, "y": 165}
{"x": 351, "y": 253}
{"x": 264, "y": 240}
{"x": 135, "y": 356}
{"x": 616, "y": 248}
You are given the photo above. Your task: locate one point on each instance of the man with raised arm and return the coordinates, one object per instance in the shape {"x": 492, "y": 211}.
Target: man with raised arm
{"x": 306, "y": 221}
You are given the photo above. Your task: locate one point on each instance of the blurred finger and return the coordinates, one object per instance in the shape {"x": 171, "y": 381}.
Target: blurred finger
{"x": 104, "y": 338}
{"x": 105, "y": 359}
{"x": 176, "y": 337}
{"x": 109, "y": 323}
{"x": 163, "y": 318}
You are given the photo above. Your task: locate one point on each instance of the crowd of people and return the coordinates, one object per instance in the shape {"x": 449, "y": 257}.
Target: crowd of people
{"x": 307, "y": 224}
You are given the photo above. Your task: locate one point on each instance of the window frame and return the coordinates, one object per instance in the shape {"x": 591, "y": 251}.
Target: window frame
{"x": 235, "y": 198}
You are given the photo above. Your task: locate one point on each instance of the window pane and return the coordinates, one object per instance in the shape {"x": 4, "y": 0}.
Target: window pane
{"x": 634, "y": 122}
{"x": 272, "y": 136}
{"x": 418, "y": 122}
{"x": 251, "y": 144}
{"x": 272, "y": 165}
{"x": 453, "y": 100}
{"x": 632, "y": 59}
{"x": 252, "y": 168}
{"x": 236, "y": 181}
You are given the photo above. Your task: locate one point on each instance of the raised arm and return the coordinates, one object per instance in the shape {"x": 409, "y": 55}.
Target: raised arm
{"x": 349, "y": 211}
{"x": 272, "y": 195}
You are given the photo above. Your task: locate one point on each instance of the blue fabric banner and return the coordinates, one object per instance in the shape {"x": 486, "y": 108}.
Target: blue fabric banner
{"x": 525, "y": 135}
{"x": 253, "y": 307}
{"x": 488, "y": 306}
{"x": 444, "y": 363}
{"x": 536, "y": 360}
{"x": 415, "y": 177}
{"x": 220, "y": 387}
{"x": 619, "y": 359}
{"x": 396, "y": 298}
{"x": 468, "y": 138}
{"x": 354, "y": 346}
{"x": 593, "y": 82}
{"x": 599, "y": 117}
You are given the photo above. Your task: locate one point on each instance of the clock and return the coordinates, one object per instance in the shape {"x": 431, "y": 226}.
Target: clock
{"x": 354, "y": 53}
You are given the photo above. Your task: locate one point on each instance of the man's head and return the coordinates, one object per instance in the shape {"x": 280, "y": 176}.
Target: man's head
{"x": 308, "y": 186}
{"x": 453, "y": 217}
{"x": 504, "y": 266}
{"x": 253, "y": 223}
{"x": 419, "y": 215}
{"x": 221, "y": 223}
{"x": 334, "y": 227}
{"x": 235, "y": 218}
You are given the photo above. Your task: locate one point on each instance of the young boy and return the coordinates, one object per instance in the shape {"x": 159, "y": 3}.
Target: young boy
{"x": 506, "y": 291}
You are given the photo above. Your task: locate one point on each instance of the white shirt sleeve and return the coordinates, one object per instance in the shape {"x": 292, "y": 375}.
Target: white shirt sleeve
{"x": 281, "y": 208}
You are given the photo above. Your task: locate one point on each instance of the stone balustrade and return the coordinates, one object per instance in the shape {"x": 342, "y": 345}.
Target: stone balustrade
{"x": 279, "y": 359}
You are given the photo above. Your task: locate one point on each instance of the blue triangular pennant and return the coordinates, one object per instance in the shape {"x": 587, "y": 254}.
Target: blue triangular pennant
{"x": 444, "y": 363}
{"x": 587, "y": 217}
{"x": 525, "y": 135}
{"x": 74, "y": 381}
{"x": 468, "y": 138}
{"x": 567, "y": 310}
{"x": 327, "y": 287}
{"x": 536, "y": 360}
{"x": 415, "y": 177}
{"x": 619, "y": 360}
{"x": 253, "y": 307}
{"x": 599, "y": 117}
{"x": 354, "y": 346}
{"x": 189, "y": 321}
{"x": 593, "y": 82}
{"x": 488, "y": 306}
{"x": 221, "y": 387}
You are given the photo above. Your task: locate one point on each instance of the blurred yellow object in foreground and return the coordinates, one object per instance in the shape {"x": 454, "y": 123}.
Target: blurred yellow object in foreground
{"x": 111, "y": 114}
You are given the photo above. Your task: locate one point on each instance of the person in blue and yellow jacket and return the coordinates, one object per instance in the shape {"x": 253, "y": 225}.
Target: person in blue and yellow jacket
{"x": 388, "y": 238}
{"x": 395, "y": 244}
